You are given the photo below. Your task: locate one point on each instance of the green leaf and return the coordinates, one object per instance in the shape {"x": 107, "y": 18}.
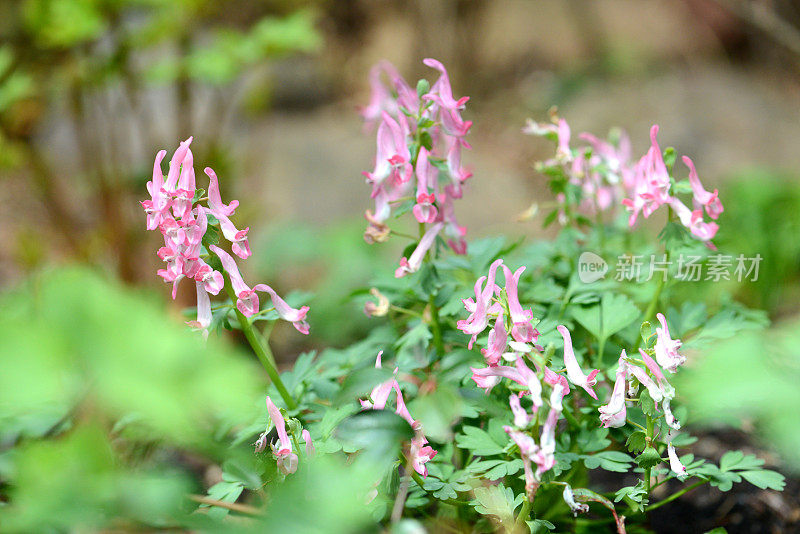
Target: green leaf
{"x": 540, "y": 526}
{"x": 437, "y": 412}
{"x": 497, "y": 501}
{"x": 648, "y": 458}
{"x": 615, "y": 312}
{"x": 646, "y": 401}
{"x": 479, "y": 442}
{"x": 634, "y": 496}
{"x": 609, "y": 460}
{"x": 378, "y": 432}
{"x": 636, "y": 442}
{"x": 765, "y": 479}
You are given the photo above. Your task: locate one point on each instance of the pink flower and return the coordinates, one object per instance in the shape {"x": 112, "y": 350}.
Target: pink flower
{"x": 553, "y": 378}
{"x": 203, "y": 310}
{"x": 488, "y": 377}
{"x": 521, "y": 417}
{"x": 295, "y": 316}
{"x": 569, "y": 498}
{"x": 574, "y": 371}
{"x": 693, "y": 221}
{"x": 478, "y": 319}
{"x": 454, "y": 231}
{"x": 380, "y": 393}
{"x": 613, "y": 414}
{"x": 641, "y": 375}
{"x": 530, "y": 381}
{"x": 310, "y": 450}
{"x": 157, "y": 208}
{"x": 522, "y": 330}
{"x": 421, "y": 454}
{"x": 247, "y": 299}
{"x": 666, "y": 348}
{"x": 393, "y": 158}
{"x": 237, "y": 238}
{"x": 212, "y": 280}
{"x": 184, "y": 194}
{"x": 175, "y": 166}
{"x": 498, "y": 341}
{"x": 287, "y": 460}
{"x": 412, "y": 264}
{"x": 424, "y": 210}
{"x": 450, "y": 109}
{"x": 710, "y": 201}
{"x": 215, "y": 204}
{"x": 675, "y": 464}
{"x": 381, "y": 98}
{"x": 563, "y": 152}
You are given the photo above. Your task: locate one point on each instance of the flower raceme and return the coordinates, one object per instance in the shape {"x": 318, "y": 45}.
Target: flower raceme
{"x": 285, "y": 456}
{"x": 419, "y": 451}
{"x": 183, "y": 221}
{"x": 419, "y": 139}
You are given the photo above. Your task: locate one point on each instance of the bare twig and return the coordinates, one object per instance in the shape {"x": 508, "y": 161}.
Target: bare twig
{"x": 232, "y": 506}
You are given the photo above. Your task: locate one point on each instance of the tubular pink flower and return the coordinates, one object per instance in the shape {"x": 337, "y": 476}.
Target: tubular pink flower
{"x": 498, "y": 340}
{"x": 478, "y": 319}
{"x": 522, "y": 330}
{"x": 287, "y": 460}
{"x": 652, "y": 366}
{"x": 675, "y": 464}
{"x": 613, "y": 414}
{"x": 380, "y": 393}
{"x": 553, "y": 378}
{"x": 652, "y": 388}
{"x": 158, "y": 206}
{"x": 310, "y": 450}
{"x": 215, "y": 200}
{"x": 488, "y": 377}
{"x": 424, "y": 210}
{"x": 458, "y": 175}
{"x": 710, "y": 201}
{"x": 393, "y": 157}
{"x": 247, "y": 299}
{"x": 563, "y": 152}
{"x": 666, "y": 348}
{"x": 402, "y": 409}
{"x": 574, "y": 371}
{"x": 412, "y": 264}
{"x": 380, "y": 97}
{"x": 184, "y": 194}
{"x": 521, "y": 417}
{"x": 237, "y": 238}
{"x": 295, "y": 316}
{"x": 212, "y": 280}
{"x": 421, "y": 454}
{"x": 194, "y": 230}
{"x": 531, "y": 381}
{"x": 693, "y": 220}
{"x": 175, "y": 166}
{"x": 203, "y": 310}
{"x": 447, "y": 215}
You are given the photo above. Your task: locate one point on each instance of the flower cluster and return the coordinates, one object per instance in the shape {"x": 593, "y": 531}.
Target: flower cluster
{"x": 420, "y": 134}
{"x": 174, "y": 208}
{"x": 600, "y": 170}
{"x": 492, "y": 301}
{"x": 652, "y": 188}
{"x": 632, "y": 373}
{"x": 420, "y": 452}
{"x": 284, "y": 455}
{"x": 605, "y": 176}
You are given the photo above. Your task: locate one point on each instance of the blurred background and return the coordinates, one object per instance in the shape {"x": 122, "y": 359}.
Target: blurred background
{"x": 90, "y": 90}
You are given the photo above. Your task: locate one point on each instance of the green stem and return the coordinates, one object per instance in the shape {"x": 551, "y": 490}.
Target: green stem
{"x": 648, "y": 439}
{"x": 436, "y": 327}
{"x": 523, "y": 516}
{"x": 262, "y": 351}
{"x": 676, "y": 495}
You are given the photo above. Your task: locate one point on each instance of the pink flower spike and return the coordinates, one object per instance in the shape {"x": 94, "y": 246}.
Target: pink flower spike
{"x": 310, "y": 450}
{"x": 215, "y": 200}
{"x": 247, "y": 302}
{"x": 295, "y": 316}
{"x": 574, "y": 371}
{"x": 498, "y": 340}
{"x": 667, "y": 348}
{"x": 702, "y": 197}
{"x": 287, "y": 460}
{"x": 522, "y": 330}
{"x": 412, "y": 264}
